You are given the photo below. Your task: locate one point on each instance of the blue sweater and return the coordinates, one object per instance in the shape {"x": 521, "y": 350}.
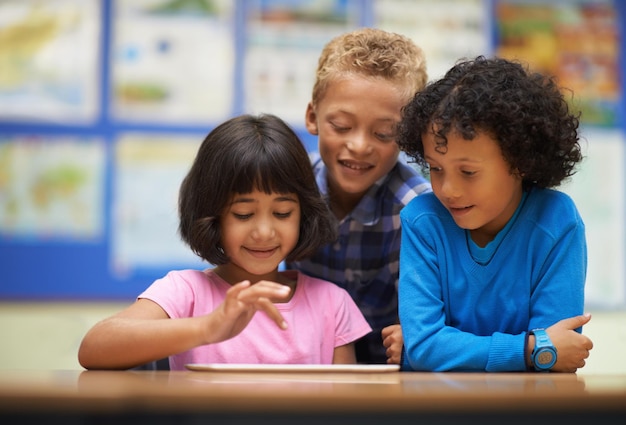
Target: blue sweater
{"x": 466, "y": 308}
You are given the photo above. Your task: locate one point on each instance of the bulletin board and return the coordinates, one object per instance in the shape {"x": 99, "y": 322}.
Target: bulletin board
{"x": 103, "y": 104}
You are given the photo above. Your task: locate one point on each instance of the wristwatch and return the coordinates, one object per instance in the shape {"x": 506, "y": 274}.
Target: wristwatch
{"x": 544, "y": 353}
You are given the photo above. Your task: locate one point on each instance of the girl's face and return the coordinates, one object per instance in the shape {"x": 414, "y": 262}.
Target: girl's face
{"x": 474, "y": 182}
{"x": 258, "y": 232}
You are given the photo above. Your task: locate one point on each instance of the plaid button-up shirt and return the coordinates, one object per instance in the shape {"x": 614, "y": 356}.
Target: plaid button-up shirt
{"x": 364, "y": 259}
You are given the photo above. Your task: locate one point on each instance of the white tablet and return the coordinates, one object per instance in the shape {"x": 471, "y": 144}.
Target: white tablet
{"x": 300, "y": 368}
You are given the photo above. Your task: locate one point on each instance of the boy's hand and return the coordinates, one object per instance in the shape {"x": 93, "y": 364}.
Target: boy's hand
{"x": 572, "y": 347}
{"x": 393, "y": 342}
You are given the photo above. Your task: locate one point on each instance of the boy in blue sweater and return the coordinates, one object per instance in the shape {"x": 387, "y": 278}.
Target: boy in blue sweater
{"x": 493, "y": 262}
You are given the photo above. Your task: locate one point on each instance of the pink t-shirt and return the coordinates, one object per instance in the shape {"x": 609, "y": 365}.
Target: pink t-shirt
{"x": 320, "y": 316}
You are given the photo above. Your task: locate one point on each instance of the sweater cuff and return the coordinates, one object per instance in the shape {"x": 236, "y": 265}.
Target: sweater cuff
{"x": 528, "y": 367}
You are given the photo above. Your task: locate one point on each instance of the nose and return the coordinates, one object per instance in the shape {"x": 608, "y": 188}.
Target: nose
{"x": 263, "y": 229}
{"x": 359, "y": 144}
{"x": 449, "y": 188}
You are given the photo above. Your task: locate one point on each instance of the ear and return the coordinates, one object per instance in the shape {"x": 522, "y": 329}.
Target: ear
{"x": 310, "y": 119}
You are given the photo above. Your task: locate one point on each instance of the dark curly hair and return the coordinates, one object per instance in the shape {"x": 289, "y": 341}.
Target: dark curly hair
{"x": 525, "y": 112}
{"x": 240, "y": 155}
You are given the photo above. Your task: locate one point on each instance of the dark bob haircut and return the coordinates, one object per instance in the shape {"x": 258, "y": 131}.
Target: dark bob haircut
{"x": 525, "y": 112}
{"x": 244, "y": 154}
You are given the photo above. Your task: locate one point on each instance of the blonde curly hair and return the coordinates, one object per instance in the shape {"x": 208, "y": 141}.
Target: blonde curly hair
{"x": 374, "y": 53}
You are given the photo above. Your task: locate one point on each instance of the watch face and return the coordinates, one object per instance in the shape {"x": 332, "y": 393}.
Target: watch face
{"x": 545, "y": 357}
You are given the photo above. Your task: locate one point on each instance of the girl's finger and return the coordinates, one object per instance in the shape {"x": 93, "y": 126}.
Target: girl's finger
{"x": 264, "y": 289}
{"x": 238, "y": 287}
{"x": 265, "y": 305}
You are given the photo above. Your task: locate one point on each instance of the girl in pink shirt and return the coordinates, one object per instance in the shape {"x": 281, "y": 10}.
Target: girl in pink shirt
{"x": 249, "y": 202}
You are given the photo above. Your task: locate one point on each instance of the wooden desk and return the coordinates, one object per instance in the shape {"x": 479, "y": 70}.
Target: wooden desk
{"x": 40, "y": 397}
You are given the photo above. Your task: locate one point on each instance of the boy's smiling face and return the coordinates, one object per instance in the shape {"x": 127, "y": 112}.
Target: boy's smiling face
{"x": 474, "y": 182}
{"x": 355, "y": 122}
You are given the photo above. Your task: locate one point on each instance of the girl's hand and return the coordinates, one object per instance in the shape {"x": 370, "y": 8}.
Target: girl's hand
{"x": 572, "y": 347}
{"x": 393, "y": 342}
{"x": 242, "y": 301}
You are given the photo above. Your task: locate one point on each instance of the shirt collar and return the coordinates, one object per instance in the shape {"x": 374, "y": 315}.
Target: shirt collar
{"x": 369, "y": 209}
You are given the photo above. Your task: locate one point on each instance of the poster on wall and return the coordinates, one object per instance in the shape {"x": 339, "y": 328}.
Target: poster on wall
{"x": 172, "y": 62}
{"x": 283, "y": 42}
{"x": 49, "y": 61}
{"x": 577, "y": 41}
{"x": 449, "y": 31}
{"x": 149, "y": 169}
{"x": 599, "y": 191}
{"x": 51, "y": 188}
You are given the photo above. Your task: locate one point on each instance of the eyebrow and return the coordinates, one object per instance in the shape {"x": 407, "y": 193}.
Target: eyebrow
{"x": 464, "y": 159}
{"x": 286, "y": 198}
{"x": 336, "y": 112}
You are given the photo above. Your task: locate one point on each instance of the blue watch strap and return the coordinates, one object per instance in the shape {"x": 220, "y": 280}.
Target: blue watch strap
{"x": 544, "y": 354}
{"x": 541, "y": 338}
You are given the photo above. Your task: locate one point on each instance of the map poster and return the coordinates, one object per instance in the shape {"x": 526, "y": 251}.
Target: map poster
{"x": 49, "y": 61}
{"x": 52, "y": 188}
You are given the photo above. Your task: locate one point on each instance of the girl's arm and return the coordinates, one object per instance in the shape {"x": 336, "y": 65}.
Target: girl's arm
{"x": 143, "y": 332}
{"x": 139, "y": 334}
{"x": 344, "y": 354}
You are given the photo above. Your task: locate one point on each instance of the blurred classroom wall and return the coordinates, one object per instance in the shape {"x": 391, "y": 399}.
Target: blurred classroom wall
{"x": 103, "y": 104}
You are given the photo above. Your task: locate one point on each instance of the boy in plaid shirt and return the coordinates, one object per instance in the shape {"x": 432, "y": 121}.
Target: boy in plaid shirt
{"x": 363, "y": 80}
